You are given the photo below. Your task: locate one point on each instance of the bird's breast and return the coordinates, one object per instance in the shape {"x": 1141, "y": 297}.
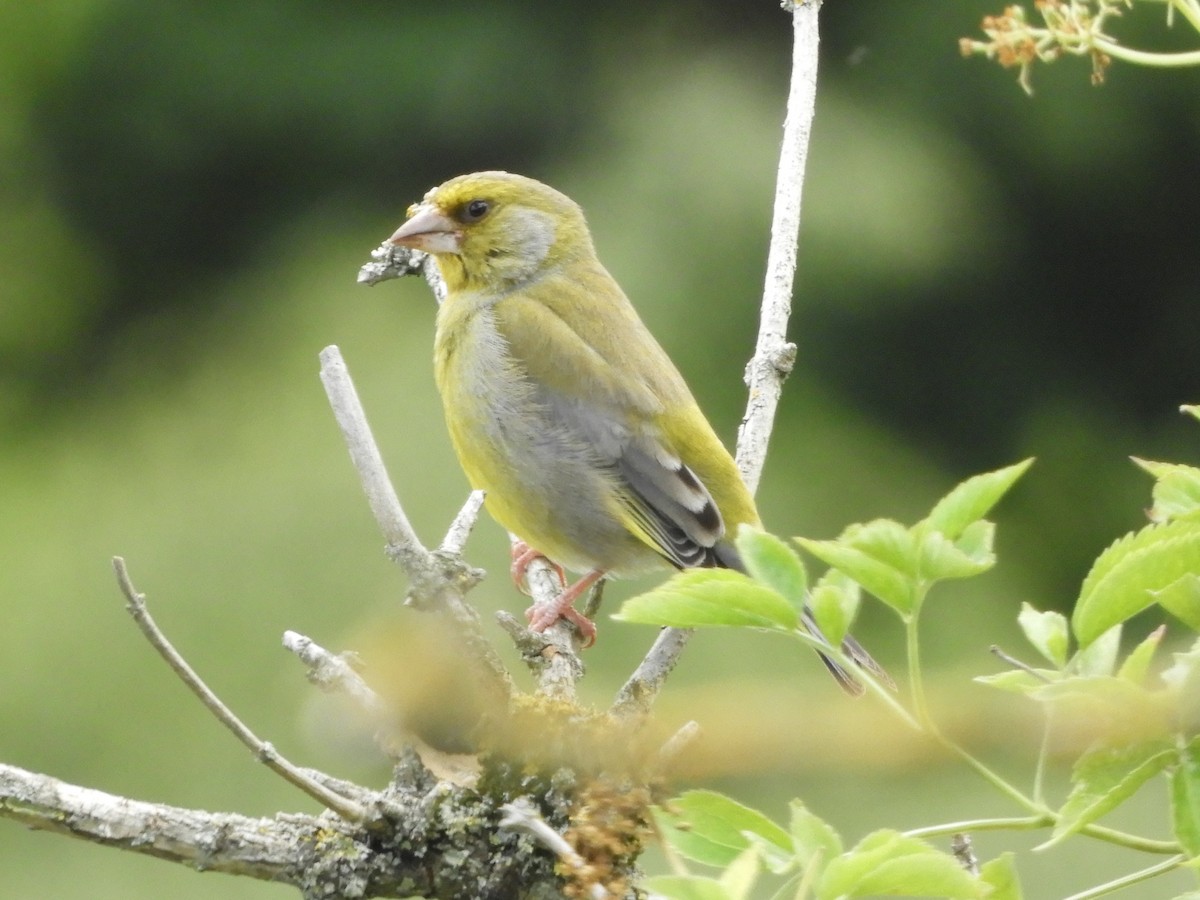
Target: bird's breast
{"x": 545, "y": 480}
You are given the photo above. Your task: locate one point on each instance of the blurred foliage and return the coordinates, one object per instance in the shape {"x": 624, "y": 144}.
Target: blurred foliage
{"x": 190, "y": 187}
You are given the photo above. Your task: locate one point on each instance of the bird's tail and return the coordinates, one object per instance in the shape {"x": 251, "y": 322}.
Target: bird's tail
{"x": 856, "y": 652}
{"x": 725, "y": 555}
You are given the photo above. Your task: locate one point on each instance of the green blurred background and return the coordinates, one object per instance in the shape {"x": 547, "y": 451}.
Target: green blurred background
{"x": 190, "y": 188}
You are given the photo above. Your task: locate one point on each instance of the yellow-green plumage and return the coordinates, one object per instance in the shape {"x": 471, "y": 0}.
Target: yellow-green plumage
{"x": 550, "y": 381}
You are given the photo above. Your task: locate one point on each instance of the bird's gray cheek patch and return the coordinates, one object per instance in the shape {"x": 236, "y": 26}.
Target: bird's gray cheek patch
{"x": 534, "y": 231}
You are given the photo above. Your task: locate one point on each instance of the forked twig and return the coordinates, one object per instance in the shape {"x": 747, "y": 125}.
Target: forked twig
{"x": 263, "y": 751}
{"x": 439, "y": 578}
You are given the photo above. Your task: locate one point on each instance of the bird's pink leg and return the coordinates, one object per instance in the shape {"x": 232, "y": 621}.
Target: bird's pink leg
{"x": 541, "y": 617}
{"x": 522, "y": 556}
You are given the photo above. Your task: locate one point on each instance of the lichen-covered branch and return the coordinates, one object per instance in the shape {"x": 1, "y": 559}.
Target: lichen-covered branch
{"x": 440, "y": 842}
{"x": 220, "y": 842}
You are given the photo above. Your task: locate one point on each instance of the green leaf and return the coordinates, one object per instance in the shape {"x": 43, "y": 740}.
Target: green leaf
{"x": 688, "y": 887}
{"x": 1001, "y": 874}
{"x": 711, "y": 828}
{"x": 740, "y": 875}
{"x": 1119, "y": 710}
{"x": 888, "y": 863}
{"x": 1137, "y": 663}
{"x": 1121, "y": 580}
{"x": 1183, "y": 687}
{"x": 939, "y": 558}
{"x": 1105, "y": 778}
{"x": 1017, "y": 681}
{"x": 814, "y": 839}
{"x": 772, "y": 562}
{"x": 971, "y": 500}
{"x": 1099, "y": 657}
{"x": 880, "y": 555}
{"x": 1181, "y": 598}
{"x": 1185, "y": 798}
{"x": 1108, "y": 710}
{"x": 702, "y": 597}
{"x": 1176, "y": 489}
{"x": 834, "y": 603}
{"x": 977, "y": 540}
{"x": 1046, "y": 631}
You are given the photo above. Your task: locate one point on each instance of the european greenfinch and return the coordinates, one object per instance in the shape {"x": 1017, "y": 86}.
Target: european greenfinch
{"x": 562, "y": 406}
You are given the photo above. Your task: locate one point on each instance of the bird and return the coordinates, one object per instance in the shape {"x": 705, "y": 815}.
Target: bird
{"x": 563, "y": 407}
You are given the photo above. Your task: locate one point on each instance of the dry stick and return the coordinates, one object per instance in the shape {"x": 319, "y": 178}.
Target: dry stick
{"x": 773, "y": 354}
{"x": 403, "y": 545}
{"x": 438, "y": 578}
{"x": 332, "y": 672}
{"x": 263, "y": 750}
{"x": 460, "y": 529}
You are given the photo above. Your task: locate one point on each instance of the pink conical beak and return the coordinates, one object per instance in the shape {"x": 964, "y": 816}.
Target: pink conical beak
{"x": 430, "y": 230}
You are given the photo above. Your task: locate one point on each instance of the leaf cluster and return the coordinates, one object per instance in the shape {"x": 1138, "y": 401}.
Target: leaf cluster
{"x": 1140, "y": 720}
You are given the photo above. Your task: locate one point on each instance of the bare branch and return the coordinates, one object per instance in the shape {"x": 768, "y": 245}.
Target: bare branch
{"x": 460, "y": 529}
{"x": 550, "y": 655}
{"x": 465, "y": 853}
{"x": 440, "y": 578}
{"x": 637, "y": 695}
{"x": 332, "y": 672}
{"x": 219, "y": 842}
{"x": 403, "y": 544}
{"x": 264, "y": 752}
{"x": 773, "y": 355}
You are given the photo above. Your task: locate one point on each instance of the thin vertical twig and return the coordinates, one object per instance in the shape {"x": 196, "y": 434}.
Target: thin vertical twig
{"x": 773, "y": 354}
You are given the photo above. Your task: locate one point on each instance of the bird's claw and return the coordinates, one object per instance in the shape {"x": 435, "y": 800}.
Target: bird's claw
{"x": 541, "y": 616}
{"x": 522, "y": 557}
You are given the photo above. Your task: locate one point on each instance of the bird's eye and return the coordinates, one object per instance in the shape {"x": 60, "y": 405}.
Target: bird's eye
{"x": 476, "y": 210}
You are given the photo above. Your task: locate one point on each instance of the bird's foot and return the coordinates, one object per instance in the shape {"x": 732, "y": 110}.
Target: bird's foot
{"x": 522, "y": 556}
{"x": 542, "y": 615}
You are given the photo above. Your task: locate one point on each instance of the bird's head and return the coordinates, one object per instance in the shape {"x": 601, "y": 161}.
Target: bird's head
{"x": 494, "y": 229}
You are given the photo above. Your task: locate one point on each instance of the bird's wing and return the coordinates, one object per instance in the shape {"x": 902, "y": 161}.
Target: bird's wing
{"x": 614, "y": 398}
